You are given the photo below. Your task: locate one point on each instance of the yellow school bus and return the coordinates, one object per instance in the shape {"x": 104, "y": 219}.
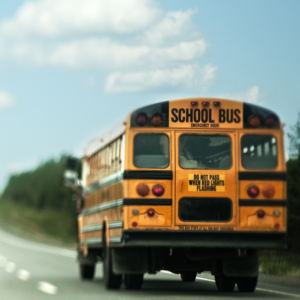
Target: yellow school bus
{"x": 186, "y": 186}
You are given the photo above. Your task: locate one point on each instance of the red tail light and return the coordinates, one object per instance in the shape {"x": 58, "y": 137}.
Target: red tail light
{"x": 156, "y": 119}
{"x": 253, "y": 191}
{"x": 143, "y": 190}
{"x": 158, "y": 190}
{"x": 205, "y": 103}
{"x": 270, "y": 121}
{"x": 134, "y": 224}
{"x": 260, "y": 213}
{"x": 268, "y": 191}
{"x": 194, "y": 103}
{"x": 254, "y": 121}
{"x": 277, "y": 226}
{"x": 151, "y": 212}
{"x": 141, "y": 119}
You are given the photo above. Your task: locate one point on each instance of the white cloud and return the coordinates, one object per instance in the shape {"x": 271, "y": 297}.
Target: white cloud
{"x": 251, "y": 95}
{"x": 184, "y": 77}
{"x": 121, "y": 37}
{"x": 60, "y": 18}
{"x": 6, "y": 100}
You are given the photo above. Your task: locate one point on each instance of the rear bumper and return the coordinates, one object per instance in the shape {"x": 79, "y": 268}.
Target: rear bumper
{"x": 232, "y": 239}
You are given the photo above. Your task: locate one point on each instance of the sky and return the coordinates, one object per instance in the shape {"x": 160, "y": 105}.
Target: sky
{"x": 70, "y": 69}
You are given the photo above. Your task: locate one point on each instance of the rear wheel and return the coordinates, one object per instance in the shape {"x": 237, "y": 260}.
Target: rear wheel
{"x": 188, "y": 276}
{"x": 86, "y": 272}
{"x": 246, "y": 284}
{"x": 133, "y": 281}
{"x": 225, "y": 283}
{"x": 111, "y": 280}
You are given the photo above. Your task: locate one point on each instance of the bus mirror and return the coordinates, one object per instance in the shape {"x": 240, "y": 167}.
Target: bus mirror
{"x": 71, "y": 163}
{"x": 70, "y": 178}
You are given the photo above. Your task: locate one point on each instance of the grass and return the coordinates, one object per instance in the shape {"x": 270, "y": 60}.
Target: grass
{"x": 280, "y": 263}
{"x": 46, "y": 226}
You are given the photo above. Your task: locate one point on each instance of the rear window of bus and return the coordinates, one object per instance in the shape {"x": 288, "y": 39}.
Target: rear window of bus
{"x": 205, "y": 152}
{"x": 151, "y": 151}
{"x": 259, "y": 152}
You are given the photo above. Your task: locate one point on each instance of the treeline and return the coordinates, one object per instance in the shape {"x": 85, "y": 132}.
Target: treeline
{"x": 293, "y": 191}
{"x": 41, "y": 188}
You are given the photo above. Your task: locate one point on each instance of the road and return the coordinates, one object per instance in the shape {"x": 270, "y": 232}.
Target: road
{"x": 29, "y": 270}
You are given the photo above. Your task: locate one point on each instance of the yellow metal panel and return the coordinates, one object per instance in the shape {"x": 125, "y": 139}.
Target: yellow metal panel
{"x": 161, "y": 218}
{"x": 249, "y": 218}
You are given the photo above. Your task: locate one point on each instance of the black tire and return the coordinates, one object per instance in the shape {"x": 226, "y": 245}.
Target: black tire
{"x": 133, "y": 281}
{"x": 225, "y": 283}
{"x": 246, "y": 284}
{"x": 86, "y": 272}
{"x": 111, "y": 280}
{"x": 188, "y": 276}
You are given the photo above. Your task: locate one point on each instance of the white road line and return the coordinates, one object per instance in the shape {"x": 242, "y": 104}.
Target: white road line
{"x": 259, "y": 289}
{"x": 23, "y": 275}
{"x": 276, "y": 292}
{"x": 23, "y": 244}
{"x": 3, "y": 261}
{"x": 10, "y": 267}
{"x": 47, "y": 287}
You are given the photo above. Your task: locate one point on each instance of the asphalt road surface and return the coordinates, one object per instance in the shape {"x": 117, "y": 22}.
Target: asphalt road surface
{"x": 35, "y": 271}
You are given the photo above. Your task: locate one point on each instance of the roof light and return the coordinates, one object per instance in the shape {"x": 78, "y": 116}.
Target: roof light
{"x": 268, "y": 191}
{"x": 156, "y": 119}
{"x": 270, "y": 121}
{"x": 151, "y": 212}
{"x": 217, "y": 103}
{"x": 194, "y": 103}
{"x": 205, "y": 103}
{"x": 253, "y": 191}
{"x": 143, "y": 190}
{"x": 261, "y": 213}
{"x": 254, "y": 121}
{"x": 158, "y": 190}
{"x": 141, "y": 119}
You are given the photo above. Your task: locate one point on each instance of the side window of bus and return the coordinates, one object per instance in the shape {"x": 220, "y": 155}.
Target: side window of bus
{"x": 205, "y": 152}
{"x": 151, "y": 151}
{"x": 259, "y": 151}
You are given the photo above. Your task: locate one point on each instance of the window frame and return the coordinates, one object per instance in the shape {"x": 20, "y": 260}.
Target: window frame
{"x": 204, "y": 134}
{"x": 152, "y": 133}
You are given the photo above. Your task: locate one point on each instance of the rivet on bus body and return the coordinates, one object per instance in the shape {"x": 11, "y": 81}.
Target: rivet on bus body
{"x": 276, "y": 213}
{"x": 134, "y": 224}
{"x": 135, "y": 211}
{"x": 277, "y": 225}
{"x": 121, "y": 209}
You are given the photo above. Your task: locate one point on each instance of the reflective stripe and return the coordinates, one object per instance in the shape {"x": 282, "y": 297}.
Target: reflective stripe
{"x": 104, "y": 206}
{"x": 116, "y": 224}
{"x": 114, "y": 178}
{"x": 97, "y": 227}
{"x": 91, "y": 228}
{"x": 92, "y": 241}
{"x": 115, "y": 239}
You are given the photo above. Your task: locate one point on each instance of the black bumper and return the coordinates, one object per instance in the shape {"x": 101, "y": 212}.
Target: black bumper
{"x": 212, "y": 239}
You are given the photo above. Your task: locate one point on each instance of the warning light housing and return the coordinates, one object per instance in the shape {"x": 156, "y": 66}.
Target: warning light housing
{"x": 254, "y": 121}
{"x": 158, "y": 190}
{"x": 143, "y": 190}
{"x": 141, "y": 119}
{"x": 156, "y": 119}
{"x": 253, "y": 191}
